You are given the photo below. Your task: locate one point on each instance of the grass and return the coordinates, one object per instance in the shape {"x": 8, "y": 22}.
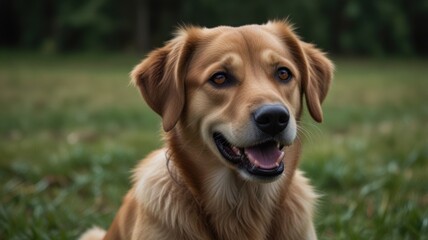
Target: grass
{"x": 71, "y": 130}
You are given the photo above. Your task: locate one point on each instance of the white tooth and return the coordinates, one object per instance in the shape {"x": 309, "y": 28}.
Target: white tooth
{"x": 236, "y": 150}
{"x": 277, "y": 164}
{"x": 280, "y": 158}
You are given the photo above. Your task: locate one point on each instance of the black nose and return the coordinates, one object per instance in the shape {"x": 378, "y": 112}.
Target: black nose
{"x": 272, "y": 118}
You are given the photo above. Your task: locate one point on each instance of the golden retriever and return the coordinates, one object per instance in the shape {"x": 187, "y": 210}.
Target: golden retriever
{"x": 231, "y": 100}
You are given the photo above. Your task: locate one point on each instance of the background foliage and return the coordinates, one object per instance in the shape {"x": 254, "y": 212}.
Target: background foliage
{"x": 357, "y": 27}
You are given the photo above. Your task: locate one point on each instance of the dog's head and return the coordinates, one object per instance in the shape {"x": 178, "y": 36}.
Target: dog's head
{"x": 239, "y": 89}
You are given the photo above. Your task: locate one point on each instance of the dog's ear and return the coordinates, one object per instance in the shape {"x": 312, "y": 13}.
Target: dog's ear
{"x": 316, "y": 69}
{"x": 318, "y": 80}
{"x": 160, "y": 77}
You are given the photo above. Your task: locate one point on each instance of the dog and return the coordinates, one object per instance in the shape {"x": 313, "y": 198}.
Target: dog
{"x": 231, "y": 100}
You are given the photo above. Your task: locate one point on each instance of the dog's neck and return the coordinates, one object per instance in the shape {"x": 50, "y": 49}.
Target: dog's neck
{"x": 223, "y": 196}
{"x": 229, "y": 200}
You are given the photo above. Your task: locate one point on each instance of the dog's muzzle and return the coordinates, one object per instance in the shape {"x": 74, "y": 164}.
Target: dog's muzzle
{"x": 264, "y": 158}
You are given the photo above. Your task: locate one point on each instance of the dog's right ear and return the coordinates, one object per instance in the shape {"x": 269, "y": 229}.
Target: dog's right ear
{"x": 160, "y": 77}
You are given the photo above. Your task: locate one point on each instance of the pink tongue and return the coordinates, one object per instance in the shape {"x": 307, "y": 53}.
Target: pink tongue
{"x": 265, "y": 155}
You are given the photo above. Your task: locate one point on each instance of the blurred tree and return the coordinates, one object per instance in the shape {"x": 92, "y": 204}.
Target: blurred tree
{"x": 418, "y": 19}
{"x": 356, "y": 27}
{"x": 143, "y": 25}
{"x": 9, "y": 30}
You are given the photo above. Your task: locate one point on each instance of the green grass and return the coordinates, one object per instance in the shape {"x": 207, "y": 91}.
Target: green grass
{"x": 71, "y": 130}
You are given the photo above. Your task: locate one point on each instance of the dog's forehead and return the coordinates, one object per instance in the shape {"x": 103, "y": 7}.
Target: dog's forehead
{"x": 249, "y": 42}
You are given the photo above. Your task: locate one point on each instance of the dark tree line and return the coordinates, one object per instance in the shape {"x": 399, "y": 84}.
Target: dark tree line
{"x": 356, "y": 27}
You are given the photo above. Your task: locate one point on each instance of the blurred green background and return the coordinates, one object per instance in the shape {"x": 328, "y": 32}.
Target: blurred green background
{"x": 363, "y": 27}
{"x": 72, "y": 129}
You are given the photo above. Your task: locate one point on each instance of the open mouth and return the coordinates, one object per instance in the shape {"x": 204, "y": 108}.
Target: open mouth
{"x": 261, "y": 160}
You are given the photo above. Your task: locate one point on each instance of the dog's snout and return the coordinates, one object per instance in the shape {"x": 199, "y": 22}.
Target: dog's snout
{"x": 272, "y": 118}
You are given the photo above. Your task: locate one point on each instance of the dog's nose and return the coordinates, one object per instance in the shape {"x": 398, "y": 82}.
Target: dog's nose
{"x": 271, "y": 118}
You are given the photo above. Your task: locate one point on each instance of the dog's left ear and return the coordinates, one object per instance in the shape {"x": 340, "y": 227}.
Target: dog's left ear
{"x": 160, "y": 77}
{"x": 315, "y": 68}
{"x": 318, "y": 80}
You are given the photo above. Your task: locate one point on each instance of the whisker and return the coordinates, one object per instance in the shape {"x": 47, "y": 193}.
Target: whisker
{"x": 309, "y": 130}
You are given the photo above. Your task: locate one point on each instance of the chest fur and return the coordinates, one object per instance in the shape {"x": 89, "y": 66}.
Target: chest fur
{"x": 237, "y": 209}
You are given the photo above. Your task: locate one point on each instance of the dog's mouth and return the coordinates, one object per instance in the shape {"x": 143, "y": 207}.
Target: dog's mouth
{"x": 262, "y": 160}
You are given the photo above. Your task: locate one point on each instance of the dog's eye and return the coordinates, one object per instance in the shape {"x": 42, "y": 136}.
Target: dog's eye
{"x": 284, "y": 74}
{"x": 220, "y": 79}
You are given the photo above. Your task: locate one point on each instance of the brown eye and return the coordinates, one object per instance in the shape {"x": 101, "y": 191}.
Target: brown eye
{"x": 284, "y": 74}
{"x": 222, "y": 79}
{"x": 219, "y": 78}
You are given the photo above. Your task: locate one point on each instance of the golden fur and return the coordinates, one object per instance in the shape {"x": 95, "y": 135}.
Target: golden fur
{"x": 187, "y": 190}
